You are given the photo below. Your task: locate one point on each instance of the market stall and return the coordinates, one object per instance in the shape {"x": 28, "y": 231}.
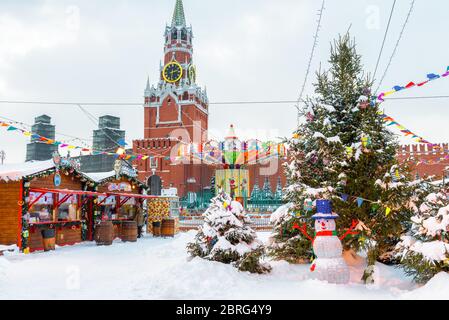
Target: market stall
{"x": 44, "y": 203}
{"x": 122, "y": 201}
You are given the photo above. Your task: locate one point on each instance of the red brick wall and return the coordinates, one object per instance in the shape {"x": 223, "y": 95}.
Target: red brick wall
{"x": 432, "y": 166}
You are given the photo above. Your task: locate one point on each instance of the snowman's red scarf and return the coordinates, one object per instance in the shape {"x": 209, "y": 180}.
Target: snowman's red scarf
{"x": 303, "y": 230}
{"x": 326, "y": 233}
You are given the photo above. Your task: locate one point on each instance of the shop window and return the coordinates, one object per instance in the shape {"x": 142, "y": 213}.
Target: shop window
{"x": 128, "y": 209}
{"x": 42, "y": 209}
{"x": 68, "y": 211}
{"x": 107, "y": 208}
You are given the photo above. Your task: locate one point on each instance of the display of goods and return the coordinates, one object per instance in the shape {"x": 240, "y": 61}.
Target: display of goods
{"x": 158, "y": 209}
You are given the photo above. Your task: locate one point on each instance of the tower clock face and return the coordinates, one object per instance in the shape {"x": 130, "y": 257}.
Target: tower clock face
{"x": 192, "y": 74}
{"x": 172, "y": 72}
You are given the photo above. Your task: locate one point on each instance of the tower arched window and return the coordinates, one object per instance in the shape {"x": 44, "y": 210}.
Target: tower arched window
{"x": 174, "y": 34}
{"x": 184, "y": 35}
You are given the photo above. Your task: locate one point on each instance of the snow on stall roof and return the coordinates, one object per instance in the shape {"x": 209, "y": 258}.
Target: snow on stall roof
{"x": 98, "y": 176}
{"x": 15, "y": 172}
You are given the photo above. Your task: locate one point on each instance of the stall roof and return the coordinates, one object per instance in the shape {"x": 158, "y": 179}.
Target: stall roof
{"x": 99, "y": 176}
{"x": 15, "y": 172}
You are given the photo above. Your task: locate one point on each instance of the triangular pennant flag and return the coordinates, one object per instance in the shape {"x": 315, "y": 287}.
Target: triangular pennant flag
{"x": 398, "y": 88}
{"x": 387, "y": 211}
{"x": 422, "y": 83}
{"x": 63, "y": 145}
{"x": 344, "y": 197}
{"x": 359, "y": 202}
{"x": 35, "y": 136}
{"x": 4, "y": 124}
{"x": 11, "y": 128}
{"x": 432, "y": 76}
{"x": 410, "y": 84}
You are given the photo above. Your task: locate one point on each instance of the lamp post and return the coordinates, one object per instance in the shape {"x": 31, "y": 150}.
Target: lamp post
{"x": 2, "y": 156}
{"x": 445, "y": 172}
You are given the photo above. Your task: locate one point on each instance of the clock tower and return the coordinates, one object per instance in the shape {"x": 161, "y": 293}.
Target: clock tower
{"x": 177, "y": 101}
{"x": 175, "y": 107}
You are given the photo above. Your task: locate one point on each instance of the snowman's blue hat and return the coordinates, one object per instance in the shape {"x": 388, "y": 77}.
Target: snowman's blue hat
{"x": 324, "y": 210}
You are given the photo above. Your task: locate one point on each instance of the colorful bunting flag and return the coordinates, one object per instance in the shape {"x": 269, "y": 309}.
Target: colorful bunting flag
{"x": 397, "y": 88}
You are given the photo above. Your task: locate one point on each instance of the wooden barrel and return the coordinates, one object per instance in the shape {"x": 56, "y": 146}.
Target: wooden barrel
{"x": 156, "y": 229}
{"x": 168, "y": 228}
{"x": 49, "y": 239}
{"x": 128, "y": 232}
{"x": 104, "y": 233}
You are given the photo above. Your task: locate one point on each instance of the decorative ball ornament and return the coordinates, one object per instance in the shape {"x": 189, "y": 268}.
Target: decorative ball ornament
{"x": 366, "y": 141}
{"x": 364, "y": 105}
{"x": 310, "y": 117}
{"x": 308, "y": 205}
{"x": 349, "y": 152}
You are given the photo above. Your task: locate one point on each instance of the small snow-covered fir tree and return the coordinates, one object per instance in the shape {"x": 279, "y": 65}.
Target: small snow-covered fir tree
{"x": 424, "y": 251}
{"x": 343, "y": 152}
{"x": 227, "y": 237}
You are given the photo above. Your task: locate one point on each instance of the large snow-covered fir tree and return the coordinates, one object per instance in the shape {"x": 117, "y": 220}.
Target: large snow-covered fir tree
{"x": 227, "y": 237}
{"x": 342, "y": 151}
{"x": 424, "y": 251}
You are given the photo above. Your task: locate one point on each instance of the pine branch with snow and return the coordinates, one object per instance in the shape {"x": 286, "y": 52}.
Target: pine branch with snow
{"x": 424, "y": 251}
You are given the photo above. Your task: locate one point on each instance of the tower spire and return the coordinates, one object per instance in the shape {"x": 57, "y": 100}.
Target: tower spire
{"x": 179, "y": 18}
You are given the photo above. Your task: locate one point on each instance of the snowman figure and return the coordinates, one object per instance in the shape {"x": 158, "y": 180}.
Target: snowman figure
{"x": 329, "y": 264}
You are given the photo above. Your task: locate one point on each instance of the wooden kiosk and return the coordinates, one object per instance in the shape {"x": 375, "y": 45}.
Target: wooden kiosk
{"x": 122, "y": 197}
{"x": 44, "y": 197}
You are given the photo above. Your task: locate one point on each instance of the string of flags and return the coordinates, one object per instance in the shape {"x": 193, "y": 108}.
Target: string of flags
{"x": 308, "y": 204}
{"x": 406, "y": 132}
{"x": 66, "y": 146}
{"x": 411, "y": 84}
{"x": 251, "y": 152}
{"x": 360, "y": 201}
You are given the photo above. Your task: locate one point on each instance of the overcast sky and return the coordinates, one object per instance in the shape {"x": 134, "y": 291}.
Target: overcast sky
{"x": 103, "y": 50}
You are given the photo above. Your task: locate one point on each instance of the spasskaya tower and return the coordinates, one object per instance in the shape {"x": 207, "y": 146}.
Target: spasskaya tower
{"x": 176, "y": 107}
{"x": 176, "y": 100}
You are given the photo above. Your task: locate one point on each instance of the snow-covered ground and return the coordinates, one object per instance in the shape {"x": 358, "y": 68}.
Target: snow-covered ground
{"x": 159, "y": 269}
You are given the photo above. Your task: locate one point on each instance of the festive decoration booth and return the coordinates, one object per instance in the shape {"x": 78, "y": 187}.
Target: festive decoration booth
{"x": 121, "y": 199}
{"x": 42, "y": 203}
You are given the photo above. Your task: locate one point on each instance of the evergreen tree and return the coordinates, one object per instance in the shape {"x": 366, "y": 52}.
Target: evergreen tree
{"x": 343, "y": 152}
{"x": 226, "y": 237}
{"x": 424, "y": 251}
